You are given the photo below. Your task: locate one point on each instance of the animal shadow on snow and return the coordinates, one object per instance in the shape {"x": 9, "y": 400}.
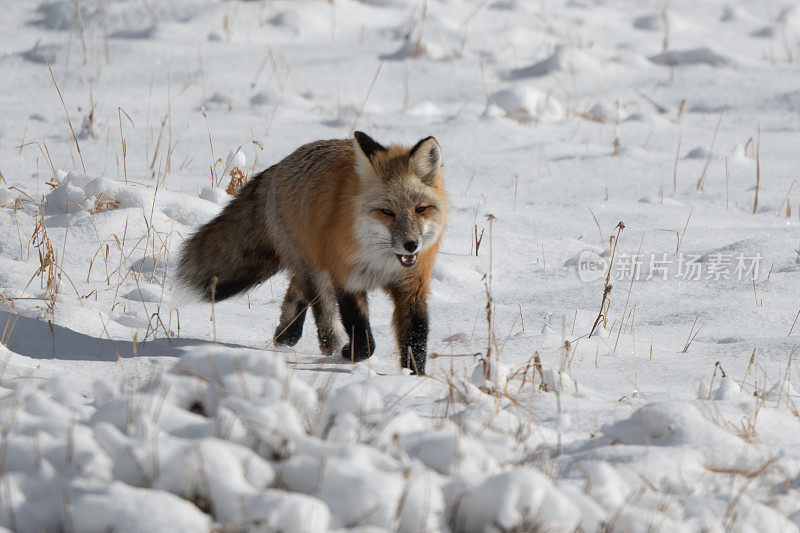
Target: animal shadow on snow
{"x": 33, "y": 338}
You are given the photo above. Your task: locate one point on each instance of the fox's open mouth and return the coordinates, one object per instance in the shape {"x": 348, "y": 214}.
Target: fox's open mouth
{"x": 407, "y": 260}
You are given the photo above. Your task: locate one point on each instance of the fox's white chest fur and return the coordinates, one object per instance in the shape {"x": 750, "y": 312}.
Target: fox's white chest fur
{"x": 374, "y": 273}
{"x": 375, "y": 265}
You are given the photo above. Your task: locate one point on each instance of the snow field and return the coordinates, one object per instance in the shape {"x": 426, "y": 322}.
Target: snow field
{"x": 125, "y": 407}
{"x": 232, "y": 437}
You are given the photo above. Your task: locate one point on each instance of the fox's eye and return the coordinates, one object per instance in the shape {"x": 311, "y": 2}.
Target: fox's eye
{"x": 387, "y": 212}
{"x": 421, "y": 209}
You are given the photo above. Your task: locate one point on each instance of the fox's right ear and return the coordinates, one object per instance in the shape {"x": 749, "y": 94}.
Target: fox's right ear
{"x": 365, "y": 148}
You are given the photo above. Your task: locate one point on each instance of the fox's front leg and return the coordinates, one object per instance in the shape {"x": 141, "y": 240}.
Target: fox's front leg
{"x": 355, "y": 319}
{"x": 410, "y": 321}
{"x": 293, "y": 315}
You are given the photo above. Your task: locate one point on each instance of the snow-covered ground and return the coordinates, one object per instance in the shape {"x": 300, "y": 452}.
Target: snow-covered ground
{"x": 120, "y": 410}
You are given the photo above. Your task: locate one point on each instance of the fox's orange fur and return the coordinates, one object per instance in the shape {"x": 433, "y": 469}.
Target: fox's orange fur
{"x": 344, "y": 216}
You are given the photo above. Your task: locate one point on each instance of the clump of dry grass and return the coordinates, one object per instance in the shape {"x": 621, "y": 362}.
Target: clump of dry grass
{"x": 46, "y": 272}
{"x": 103, "y": 203}
{"x": 237, "y": 180}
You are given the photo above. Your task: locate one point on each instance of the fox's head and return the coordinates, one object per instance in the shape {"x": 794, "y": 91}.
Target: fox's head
{"x": 404, "y": 207}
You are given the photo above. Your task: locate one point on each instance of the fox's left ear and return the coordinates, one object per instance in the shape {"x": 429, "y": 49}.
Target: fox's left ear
{"x": 426, "y": 159}
{"x": 365, "y": 148}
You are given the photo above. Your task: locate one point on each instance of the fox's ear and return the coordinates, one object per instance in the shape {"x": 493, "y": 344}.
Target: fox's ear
{"x": 367, "y": 144}
{"x": 365, "y": 148}
{"x": 426, "y": 159}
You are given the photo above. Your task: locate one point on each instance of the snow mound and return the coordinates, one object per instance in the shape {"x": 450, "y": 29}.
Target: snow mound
{"x": 149, "y": 267}
{"x": 266, "y": 97}
{"x": 186, "y": 437}
{"x": 694, "y": 56}
{"x": 733, "y": 13}
{"x": 493, "y": 377}
{"x": 562, "y": 58}
{"x": 671, "y": 424}
{"x": 43, "y": 54}
{"x": 604, "y": 112}
{"x": 418, "y": 47}
{"x": 696, "y": 153}
{"x": 526, "y": 104}
{"x": 653, "y": 22}
{"x": 425, "y": 109}
{"x": 729, "y": 390}
{"x": 122, "y": 18}
{"x": 215, "y": 195}
{"x": 145, "y": 293}
{"x": 789, "y": 18}
{"x": 78, "y": 193}
{"x": 520, "y": 500}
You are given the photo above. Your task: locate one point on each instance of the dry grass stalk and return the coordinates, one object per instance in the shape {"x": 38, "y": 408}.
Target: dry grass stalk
{"x": 702, "y": 178}
{"x": 436, "y": 355}
{"x": 537, "y": 364}
{"x": 476, "y": 239}
{"x": 747, "y": 151}
{"x": 786, "y": 199}
{"x": 8, "y": 329}
{"x": 607, "y": 286}
{"x": 628, "y": 298}
{"x": 516, "y": 186}
{"x": 740, "y": 471}
{"x": 691, "y": 337}
{"x": 683, "y": 234}
{"x": 120, "y": 111}
{"x": 69, "y": 121}
{"x": 681, "y": 108}
{"x": 713, "y": 376}
{"x": 177, "y": 321}
{"x": 658, "y": 107}
{"x": 785, "y": 379}
{"x": 366, "y": 98}
{"x": 54, "y": 181}
{"x": 469, "y": 183}
{"x": 758, "y": 168}
{"x": 793, "y": 323}
{"x": 675, "y": 167}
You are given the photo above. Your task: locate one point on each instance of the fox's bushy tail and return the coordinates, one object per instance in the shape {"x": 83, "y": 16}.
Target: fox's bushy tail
{"x": 231, "y": 253}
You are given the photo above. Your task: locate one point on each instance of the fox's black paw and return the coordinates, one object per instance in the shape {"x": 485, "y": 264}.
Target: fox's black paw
{"x": 289, "y": 335}
{"x": 357, "y": 353}
{"x": 328, "y": 341}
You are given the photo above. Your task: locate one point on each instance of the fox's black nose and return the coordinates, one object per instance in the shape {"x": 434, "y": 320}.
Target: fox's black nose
{"x": 411, "y": 246}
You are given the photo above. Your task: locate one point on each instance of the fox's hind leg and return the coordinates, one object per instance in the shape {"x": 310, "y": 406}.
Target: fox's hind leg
{"x": 318, "y": 291}
{"x": 293, "y": 315}
{"x": 355, "y": 319}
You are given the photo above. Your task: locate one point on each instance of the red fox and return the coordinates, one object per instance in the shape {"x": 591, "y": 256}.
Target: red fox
{"x": 343, "y": 216}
